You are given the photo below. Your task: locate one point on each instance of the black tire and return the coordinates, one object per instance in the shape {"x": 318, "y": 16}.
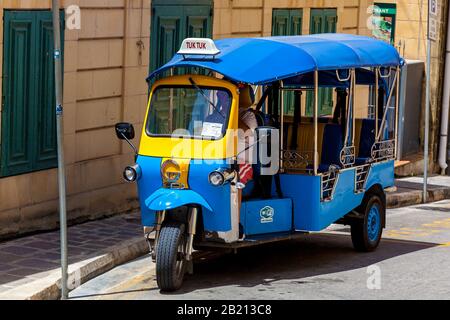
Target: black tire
{"x": 170, "y": 256}
{"x": 366, "y": 232}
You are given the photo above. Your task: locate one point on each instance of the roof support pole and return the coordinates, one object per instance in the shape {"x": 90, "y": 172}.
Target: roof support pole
{"x": 353, "y": 84}
{"x": 397, "y": 96}
{"x": 316, "y": 111}
{"x": 376, "y": 104}
{"x": 281, "y": 122}
{"x": 386, "y": 107}
{"x": 349, "y": 113}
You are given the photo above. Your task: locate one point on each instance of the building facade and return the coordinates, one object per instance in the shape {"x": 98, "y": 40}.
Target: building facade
{"x": 409, "y": 21}
{"x": 106, "y": 62}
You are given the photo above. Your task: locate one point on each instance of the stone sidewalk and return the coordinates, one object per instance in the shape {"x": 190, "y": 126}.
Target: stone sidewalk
{"x": 29, "y": 266}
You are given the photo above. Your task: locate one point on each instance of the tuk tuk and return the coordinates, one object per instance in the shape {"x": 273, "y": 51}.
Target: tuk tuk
{"x": 323, "y": 146}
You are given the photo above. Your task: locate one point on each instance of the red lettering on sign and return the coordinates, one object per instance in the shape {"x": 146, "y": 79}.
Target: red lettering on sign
{"x": 196, "y": 45}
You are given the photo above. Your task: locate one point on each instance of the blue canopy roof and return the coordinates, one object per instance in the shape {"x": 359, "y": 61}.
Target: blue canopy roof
{"x": 264, "y": 60}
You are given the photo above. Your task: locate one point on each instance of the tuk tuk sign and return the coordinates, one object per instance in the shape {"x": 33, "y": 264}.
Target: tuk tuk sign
{"x": 198, "y": 46}
{"x": 433, "y": 14}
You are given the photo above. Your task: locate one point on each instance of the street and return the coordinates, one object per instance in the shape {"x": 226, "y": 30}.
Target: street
{"x": 412, "y": 262}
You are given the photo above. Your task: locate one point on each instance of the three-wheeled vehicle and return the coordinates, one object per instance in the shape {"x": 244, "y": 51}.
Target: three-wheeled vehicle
{"x": 326, "y": 109}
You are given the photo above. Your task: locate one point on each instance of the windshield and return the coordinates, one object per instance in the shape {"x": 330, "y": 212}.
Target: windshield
{"x": 200, "y": 112}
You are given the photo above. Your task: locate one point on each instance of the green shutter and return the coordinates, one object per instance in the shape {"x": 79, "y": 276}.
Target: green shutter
{"x": 287, "y": 22}
{"x": 166, "y": 34}
{"x": 28, "y": 136}
{"x": 171, "y": 24}
{"x": 322, "y": 21}
{"x": 280, "y": 22}
{"x": 198, "y": 22}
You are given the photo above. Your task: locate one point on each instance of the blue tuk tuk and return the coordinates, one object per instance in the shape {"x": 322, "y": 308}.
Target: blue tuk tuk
{"x": 321, "y": 167}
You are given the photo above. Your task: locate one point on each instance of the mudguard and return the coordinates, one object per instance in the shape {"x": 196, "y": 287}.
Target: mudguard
{"x": 165, "y": 199}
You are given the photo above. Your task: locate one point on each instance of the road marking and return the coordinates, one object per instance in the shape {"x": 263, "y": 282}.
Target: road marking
{"x": 426, "y": 229}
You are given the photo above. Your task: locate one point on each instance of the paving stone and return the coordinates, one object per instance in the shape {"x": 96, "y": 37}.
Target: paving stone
{"x": 6, "y": 267}
{"x": 7, "y": 257}
{"x": 48, "y": 256}
{"x": 23, "y": 272}
{"x": 44, "y": 245}
{"x": 36, "y": 263}
{"x": 18, "y": 250}
{"x": 6, "y": 278}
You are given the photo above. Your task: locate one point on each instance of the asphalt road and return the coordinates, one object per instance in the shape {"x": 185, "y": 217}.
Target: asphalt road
{"x": 412, "y": 262}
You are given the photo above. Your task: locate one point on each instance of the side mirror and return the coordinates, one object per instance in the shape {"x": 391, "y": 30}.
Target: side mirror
{"x": 124, "y": 131}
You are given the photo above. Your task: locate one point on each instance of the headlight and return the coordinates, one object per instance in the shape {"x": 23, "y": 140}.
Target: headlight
{"x": 171, "y": 171}
{"x": 216, "y": 178}
{"x": 131, "y": 173}
{"x": 221, "y": 176}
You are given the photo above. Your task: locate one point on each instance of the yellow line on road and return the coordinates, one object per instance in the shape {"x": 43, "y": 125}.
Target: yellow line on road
{"x": 445, "y": 244}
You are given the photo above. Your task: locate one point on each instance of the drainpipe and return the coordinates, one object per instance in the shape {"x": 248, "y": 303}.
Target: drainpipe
{"x": 445, "y": 103}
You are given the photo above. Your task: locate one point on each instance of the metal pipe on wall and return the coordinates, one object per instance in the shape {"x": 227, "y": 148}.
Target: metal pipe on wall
{"x": 445, "y": 104}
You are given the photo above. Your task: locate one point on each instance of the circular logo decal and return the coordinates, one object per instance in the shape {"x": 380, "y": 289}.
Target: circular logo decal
{"x": 266, "y": 214}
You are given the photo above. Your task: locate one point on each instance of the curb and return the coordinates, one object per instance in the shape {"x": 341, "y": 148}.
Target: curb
{"x": 48, "y": 288}
{"x": 408, "y": 198}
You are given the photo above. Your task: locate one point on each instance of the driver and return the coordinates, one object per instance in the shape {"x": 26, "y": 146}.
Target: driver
{"x": 247, "y": 123}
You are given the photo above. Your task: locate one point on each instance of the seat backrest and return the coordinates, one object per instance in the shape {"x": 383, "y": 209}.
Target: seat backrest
{"x": 332, "y": 144}
{"x": 366, "y": 137}
{"x": 305, "y": 138}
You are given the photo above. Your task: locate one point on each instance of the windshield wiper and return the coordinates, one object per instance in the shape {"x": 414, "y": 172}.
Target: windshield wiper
{"x": 206, "y": 97}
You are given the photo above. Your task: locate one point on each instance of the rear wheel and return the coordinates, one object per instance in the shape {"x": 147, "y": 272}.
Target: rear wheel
{"x": 366, "y": 232}
{"x": 171, "y": 256}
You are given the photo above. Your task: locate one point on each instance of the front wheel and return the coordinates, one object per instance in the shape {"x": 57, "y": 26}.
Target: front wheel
{"x": 366, "y": 233}
{"x": 171, "y": 256}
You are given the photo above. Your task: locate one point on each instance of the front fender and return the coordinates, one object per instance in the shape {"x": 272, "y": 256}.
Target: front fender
{"x": 165, "y": 199}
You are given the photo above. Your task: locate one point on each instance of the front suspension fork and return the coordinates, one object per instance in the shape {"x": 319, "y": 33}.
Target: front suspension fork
{"x": 192, "y": 226}
{"x": 191, "y": 233}
{"x": 159, "y": 221}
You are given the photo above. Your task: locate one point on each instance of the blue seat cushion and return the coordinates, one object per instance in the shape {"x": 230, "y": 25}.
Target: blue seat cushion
{"x": 367, "y": 138}
{"x": 332, "y": 144}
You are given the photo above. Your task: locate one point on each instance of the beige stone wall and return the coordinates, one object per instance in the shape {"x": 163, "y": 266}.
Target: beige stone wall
{"x": 241, "y": 18}
{"x": 104, "y": 83}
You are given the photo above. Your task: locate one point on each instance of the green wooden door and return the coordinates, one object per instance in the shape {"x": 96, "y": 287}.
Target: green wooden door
{"x": 322, "y": 21}
{"x": 28, "y": 135}
{"x": 287, "y": 22}
{"x": 172, "y": 23}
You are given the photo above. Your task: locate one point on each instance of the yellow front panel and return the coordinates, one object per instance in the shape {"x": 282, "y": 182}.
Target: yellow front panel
{"x": 170, "y": 147}
{"x": 183, "y": 165}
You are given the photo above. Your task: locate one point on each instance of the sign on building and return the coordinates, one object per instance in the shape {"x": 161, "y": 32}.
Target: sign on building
{"x": 433, "y": 14}
{"x": 383, "y": 21}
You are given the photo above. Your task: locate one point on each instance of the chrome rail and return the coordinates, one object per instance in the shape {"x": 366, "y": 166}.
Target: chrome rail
{"x": 383, "y": 150}
{"x": 347, "y": 156}
{"x": 295, "y": 160}
{"x": 361, "y": 174}
{"x": 328, "y": 184}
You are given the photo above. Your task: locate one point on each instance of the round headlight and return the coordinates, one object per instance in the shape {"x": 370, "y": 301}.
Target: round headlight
{"x": 129, "y": 174}
{"x": 216, "y": 178}
{"x": 171, "y": 171}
